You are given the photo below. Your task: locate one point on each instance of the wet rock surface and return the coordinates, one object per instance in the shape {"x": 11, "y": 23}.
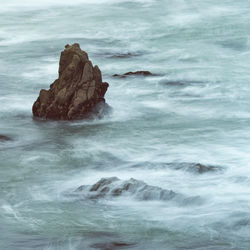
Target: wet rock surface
{"x": 135, "y": 73}
{"x": 76, "y": 92}
{"x": 113, "y": 187}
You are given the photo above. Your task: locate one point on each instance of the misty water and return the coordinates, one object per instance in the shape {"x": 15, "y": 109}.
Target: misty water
{"x": 195, "y": 110}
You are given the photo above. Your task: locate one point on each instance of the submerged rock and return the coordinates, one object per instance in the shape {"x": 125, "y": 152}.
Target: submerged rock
{"x": 114, "y": 187}
{"x": 173, "y": 83}
{"x": 112, "y": 245}
{"x": 136, "y": 73}
{"x": 179, "y": 83}
{"x": 4, "y": 138}
{"x": 76, "y": 92}
{"x": 196, "y": 167}
{"x": 190, "y": 167}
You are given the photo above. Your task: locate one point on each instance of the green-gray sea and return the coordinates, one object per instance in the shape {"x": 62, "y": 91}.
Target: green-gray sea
{"x": 195, "y": 110}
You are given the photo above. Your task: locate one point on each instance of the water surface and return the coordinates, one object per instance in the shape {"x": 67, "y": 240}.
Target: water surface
{"x": 197, "y": 110}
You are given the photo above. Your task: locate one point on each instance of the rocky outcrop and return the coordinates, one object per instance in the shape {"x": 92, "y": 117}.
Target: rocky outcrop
{"x": 113, "y": 187}
{"x": 136, "y": 73}
{"x": 76, "y": 92}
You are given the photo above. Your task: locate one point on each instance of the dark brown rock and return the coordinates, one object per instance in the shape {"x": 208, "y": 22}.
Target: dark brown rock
{"x": 136, "y": 73}
{"x": 76, "y": 92}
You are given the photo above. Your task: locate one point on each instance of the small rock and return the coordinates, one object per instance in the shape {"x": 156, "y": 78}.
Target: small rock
{"x": 136, "y": 73}
{"x": 123, "y": 55}
{"x": 76, "y": 92}
{"x": 203, "y": 168}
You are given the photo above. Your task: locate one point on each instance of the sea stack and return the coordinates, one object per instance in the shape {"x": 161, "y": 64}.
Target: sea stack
{"x": 76, "y": 92}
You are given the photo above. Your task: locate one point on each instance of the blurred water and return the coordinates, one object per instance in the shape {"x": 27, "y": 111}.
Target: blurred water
{"x": 195, "y": 111}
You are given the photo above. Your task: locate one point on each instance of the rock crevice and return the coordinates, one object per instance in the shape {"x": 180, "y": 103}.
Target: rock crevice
{"x": 76, "y": 92}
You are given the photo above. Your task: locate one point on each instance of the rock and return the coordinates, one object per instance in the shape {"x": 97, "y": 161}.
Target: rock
{"x": 76, "y": 92}
{"x": 4, "y": 138}
{"x": 114, "y": 187}
{"x": 173, "y": 83}
{"x": 196, "y": 167}
{"x": 136, "y": 73}
{"x": 190, "y": 167}
{"x": 179, "y": 83}
{"x": 203, "y": 168}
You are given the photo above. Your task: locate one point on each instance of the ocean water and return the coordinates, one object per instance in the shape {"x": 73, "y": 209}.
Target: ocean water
{"x": 195, "y": 110}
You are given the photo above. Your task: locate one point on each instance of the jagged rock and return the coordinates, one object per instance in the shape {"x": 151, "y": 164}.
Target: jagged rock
{"x": 190, "y": 167}
{"x": 114, "y": 187}
{"x": 136, "y": 73}
{"x": 76, "y": 92}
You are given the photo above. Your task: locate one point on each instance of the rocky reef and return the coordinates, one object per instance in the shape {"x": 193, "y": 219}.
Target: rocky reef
{"x": 136, "y": 73}
{"x": 113, "y": 187}
{"x": 78, "y": 90}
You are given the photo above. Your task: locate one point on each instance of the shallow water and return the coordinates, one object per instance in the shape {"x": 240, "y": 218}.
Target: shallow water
{"x": 195, "y": 111}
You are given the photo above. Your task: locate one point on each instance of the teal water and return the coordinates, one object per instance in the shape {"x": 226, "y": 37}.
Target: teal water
{"x": 197, "y": 110}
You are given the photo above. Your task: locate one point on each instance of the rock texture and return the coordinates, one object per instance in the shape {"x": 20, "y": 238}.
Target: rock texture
{"x": 136, "y": 73}
{"x": 76, "y": 92}
{"x": 113, "y": 187}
